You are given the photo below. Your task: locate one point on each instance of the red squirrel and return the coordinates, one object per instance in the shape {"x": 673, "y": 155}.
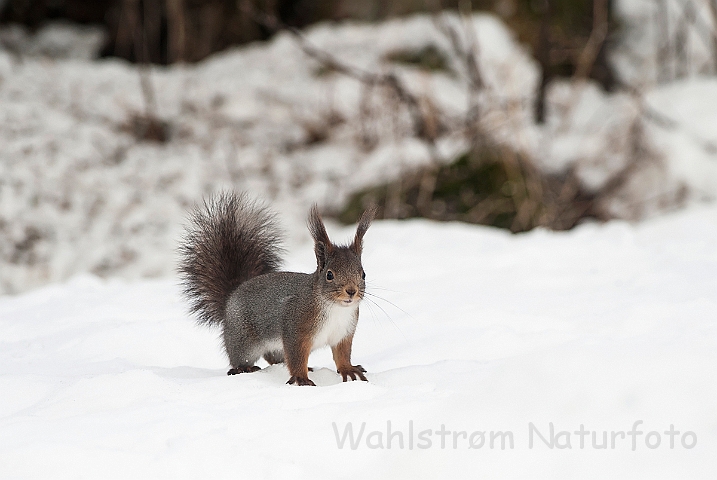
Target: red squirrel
{"x": 230, "y": 258}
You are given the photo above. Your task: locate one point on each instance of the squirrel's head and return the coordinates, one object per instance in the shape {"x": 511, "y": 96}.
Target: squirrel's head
{"x": 341, "y": 274}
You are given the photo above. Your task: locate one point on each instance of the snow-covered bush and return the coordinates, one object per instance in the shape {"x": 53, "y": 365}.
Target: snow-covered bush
{"x": 79, "y": 191}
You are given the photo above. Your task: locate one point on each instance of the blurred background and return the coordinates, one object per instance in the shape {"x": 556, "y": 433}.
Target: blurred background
{"x": 116, "y": 116}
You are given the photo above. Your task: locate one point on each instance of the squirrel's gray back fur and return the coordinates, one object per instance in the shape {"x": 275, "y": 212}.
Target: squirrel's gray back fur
{"x": 255, "y": 312}
{"x": 229, "y": 240}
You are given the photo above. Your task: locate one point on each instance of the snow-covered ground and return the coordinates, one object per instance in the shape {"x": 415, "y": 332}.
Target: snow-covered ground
{"x": 592, "y": 330}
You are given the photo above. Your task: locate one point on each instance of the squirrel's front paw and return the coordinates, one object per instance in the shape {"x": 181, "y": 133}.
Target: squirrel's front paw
{"x": 353, "y": 371}
{"x": 294, "y": 380}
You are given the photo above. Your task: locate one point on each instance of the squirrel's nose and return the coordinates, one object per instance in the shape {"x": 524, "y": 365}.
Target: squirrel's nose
{"x": 351, "y": 292}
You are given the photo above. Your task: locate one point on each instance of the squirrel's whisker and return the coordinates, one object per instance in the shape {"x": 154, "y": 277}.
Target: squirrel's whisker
{"x": 391, "y": 303}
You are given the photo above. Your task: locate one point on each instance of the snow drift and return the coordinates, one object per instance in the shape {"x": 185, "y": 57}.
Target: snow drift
{"x": 592, "y": 330}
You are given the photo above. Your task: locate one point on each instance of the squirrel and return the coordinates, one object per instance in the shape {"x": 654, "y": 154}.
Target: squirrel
{"x": 230, "y": 258}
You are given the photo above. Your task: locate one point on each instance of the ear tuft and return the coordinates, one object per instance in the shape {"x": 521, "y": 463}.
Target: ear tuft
{"x": 368, "y": 215}
{"x": 322, "y": 243}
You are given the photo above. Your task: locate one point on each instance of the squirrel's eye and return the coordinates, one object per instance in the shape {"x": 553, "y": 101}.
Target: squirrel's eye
{"x": 329, "y": 275}
{"x": 363, "y": 275}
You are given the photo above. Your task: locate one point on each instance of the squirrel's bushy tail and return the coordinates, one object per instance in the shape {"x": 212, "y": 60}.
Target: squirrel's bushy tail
{"x": 229, "y": 240}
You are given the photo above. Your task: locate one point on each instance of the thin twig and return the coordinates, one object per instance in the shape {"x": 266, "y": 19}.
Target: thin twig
{"x": 587, "y": 58}
{"x": 330, "y": 62}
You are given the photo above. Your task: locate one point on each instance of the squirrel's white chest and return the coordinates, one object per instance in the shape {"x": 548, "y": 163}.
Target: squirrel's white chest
{"x": 337, "y": 322}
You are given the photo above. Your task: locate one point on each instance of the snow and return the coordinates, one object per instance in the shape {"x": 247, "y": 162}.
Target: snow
{"x": 54, "y": 40}
{"x": 480, "y": 331}
{"x": 589, "y": 128}
{"x": 692, "y": 105}
{"x": 103, "y": 373}
{"x": 470, "y": 330}
{"x": 80, "y": 194}
{"x": 661, "y": 41}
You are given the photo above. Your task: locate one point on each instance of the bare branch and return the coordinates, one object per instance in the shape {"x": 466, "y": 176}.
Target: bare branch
{"x": 595, "y": 41}
{"x": 371, "y": 79}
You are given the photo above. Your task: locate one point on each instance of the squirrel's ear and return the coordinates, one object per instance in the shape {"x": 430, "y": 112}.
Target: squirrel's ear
{"x": 364, "y": 223}
{"x": 322, "y": 244}
{"x": 322, "y": 256}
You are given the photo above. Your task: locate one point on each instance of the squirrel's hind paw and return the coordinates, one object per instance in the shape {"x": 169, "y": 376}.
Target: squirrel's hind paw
{"x": 353, "y": 372}
{"x": 237, "y": 371}
{"x": 294, "y": 380}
